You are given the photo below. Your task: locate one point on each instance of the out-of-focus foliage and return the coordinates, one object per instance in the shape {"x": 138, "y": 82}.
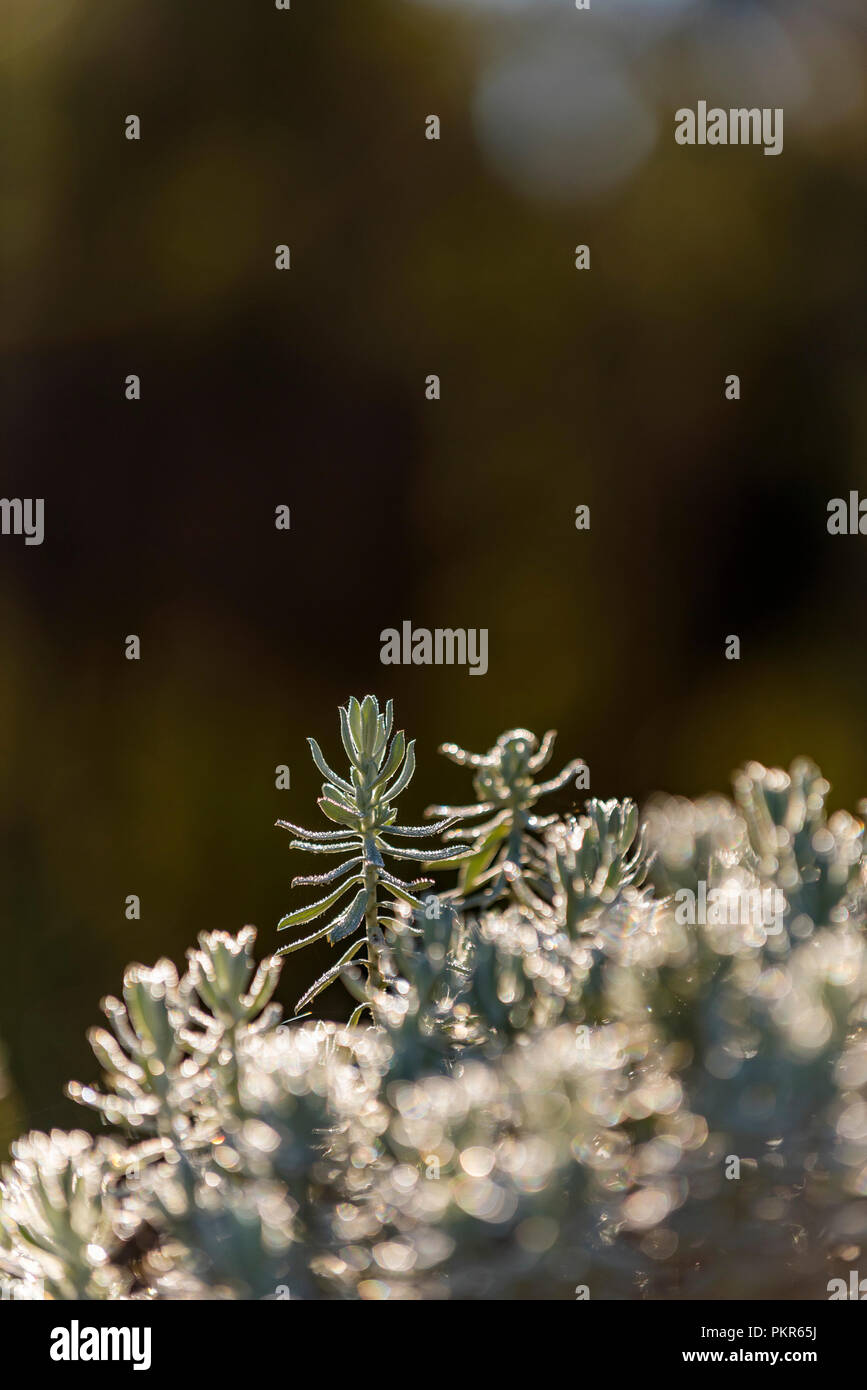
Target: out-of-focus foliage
{"x": 507, "y": 793}
{"x": 576, "y": 1088}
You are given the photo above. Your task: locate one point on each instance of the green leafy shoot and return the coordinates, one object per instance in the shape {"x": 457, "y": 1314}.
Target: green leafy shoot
{"x": 367, "y": 894}
{"x": 507, "y": 793}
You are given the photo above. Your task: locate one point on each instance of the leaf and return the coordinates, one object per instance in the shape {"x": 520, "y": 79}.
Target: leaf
{"x": 475, "y": 867}
{"x": 329, "y": 976}
{"x": 315, "y": 879}
{"x": 479, "y": 808}
{"x": 380, "y": 742}
{"x": 405, "y": 776}
{"x": 338, "y": 847}
{"x": 318, "y": 836}
{"x": 407, "y": 897}
{"x": 326, "y": 771}
{"x": 356, "y": 723}
{"x": 429, "y": 856}
{"x": 305, "y": 941}
{"x": 461, "y": 756}
{"x": 307, "y": 914}
{"x": 350, "y": 749}
{"x": 394, "y": 882}
{"x": 263, "y": 986}
{"x": 350, "y": 920}
{"x": 332, "y": 793}
{"x": 543, "y": 753}
{"x": 337, "y": 813}
{"x": 393, "y": 761}
{"x": 418, "y": 831}
{"x": 555, "y": 783}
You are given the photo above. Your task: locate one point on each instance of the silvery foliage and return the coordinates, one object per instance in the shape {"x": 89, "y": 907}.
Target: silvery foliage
{"x": 557, "y": 1086}
{"x": 505, "y": 841}
{"x": 380, "y": 768}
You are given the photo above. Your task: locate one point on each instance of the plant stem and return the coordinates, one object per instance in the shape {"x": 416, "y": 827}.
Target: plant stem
{"x": 375, "y": 939}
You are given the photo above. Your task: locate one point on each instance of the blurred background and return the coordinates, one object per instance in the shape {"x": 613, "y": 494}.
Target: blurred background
{"x": 306, "y": 388}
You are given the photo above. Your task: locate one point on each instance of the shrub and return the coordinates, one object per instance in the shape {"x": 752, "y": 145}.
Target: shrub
{"x": 592, "y": 1064}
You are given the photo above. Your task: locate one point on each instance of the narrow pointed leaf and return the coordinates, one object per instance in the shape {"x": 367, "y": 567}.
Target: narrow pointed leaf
{"x": 307, "y": 914}
{"x": 481, "y": 808}
{"x": 329, "y": 976}
{"x": 544, "y": 751}
{"x": 555, "y": 783}
{"x": 429, "y": 856}
{"x": 407, "y": 897}
{"x": 350, "y": 920}
{"x": 318, "y": 836}
{"x": 305, "y": 941}
{"x": 419, "y": 831}
{"x": 332, "y": 793}
{"x": 474, "y": 868}
{"x": 393, "y": 761}
{"x": 392, "y": 881}
{"x": 461, "y": 756}
{"x": 313, "y": 880}
{"x": 405, "y": 776}
{"x": 326, "y": 770}
{"x": 338, "y": 847}
{"x": 338, "y": 813}
{"x": 355, "y": 723}
{"x": 350, "y": 749}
